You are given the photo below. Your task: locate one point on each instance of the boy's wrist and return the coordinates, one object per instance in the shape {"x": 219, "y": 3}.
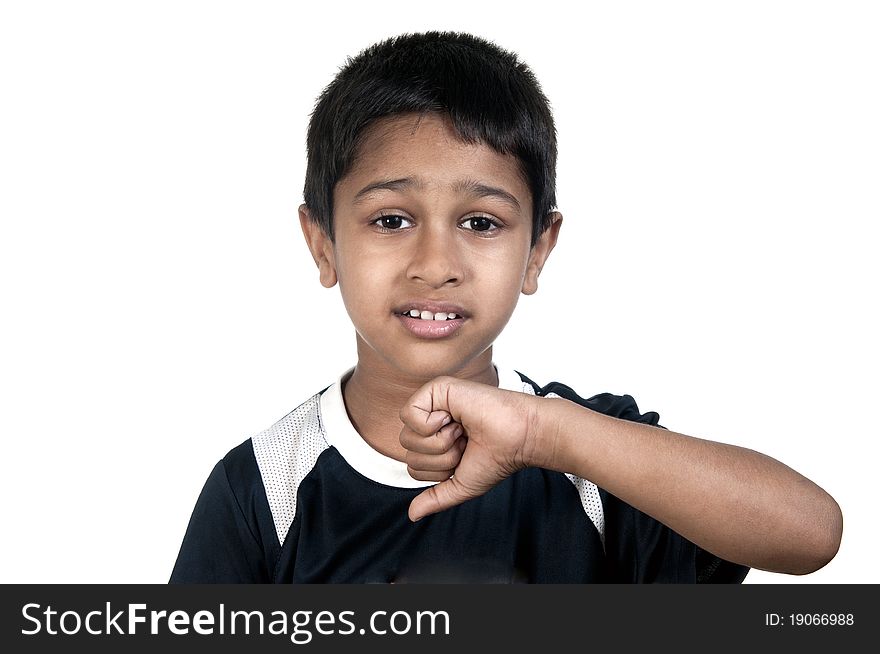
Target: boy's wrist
{"x": 544, "y": 432}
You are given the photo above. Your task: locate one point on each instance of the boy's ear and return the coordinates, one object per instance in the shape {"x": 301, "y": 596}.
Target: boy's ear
{"x": 539, "y": 253}
{"x": 320, "y": 246}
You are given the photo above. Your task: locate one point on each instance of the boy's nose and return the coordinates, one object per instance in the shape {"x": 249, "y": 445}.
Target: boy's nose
{"x": 435, "y": 260}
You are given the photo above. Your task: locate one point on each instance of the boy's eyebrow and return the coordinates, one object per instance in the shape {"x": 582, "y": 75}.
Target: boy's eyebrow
{"x": 467, "y": 185}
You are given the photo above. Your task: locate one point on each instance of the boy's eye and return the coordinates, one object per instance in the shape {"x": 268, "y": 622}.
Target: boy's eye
{"x": 390, "y": 222}
{"x": 480, "y": 224}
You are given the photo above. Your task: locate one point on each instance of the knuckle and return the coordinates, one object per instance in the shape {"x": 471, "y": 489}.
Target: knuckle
{"x": 407, "y": 439}
{"x": 438, "y": 446}
{"x": 429, "y": 475}
{"x": 416, "y": 474}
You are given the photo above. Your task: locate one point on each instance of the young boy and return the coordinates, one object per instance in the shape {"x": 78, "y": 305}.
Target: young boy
{"x": 428, "y": 197}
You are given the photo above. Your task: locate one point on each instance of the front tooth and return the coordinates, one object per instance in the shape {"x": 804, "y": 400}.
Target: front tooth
{"x": 440, "y": 316}
{"x": 414, "y": 313}
{"x": 427, "y": 315}
{"x": 453, "y": 316}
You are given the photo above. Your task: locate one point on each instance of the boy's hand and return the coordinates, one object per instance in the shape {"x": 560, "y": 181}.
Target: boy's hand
{"x": 476, "y": 432}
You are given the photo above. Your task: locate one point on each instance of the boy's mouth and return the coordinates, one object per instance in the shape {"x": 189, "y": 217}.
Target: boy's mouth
{"x": 425, "y": 319}
{"x": 421, "y": 309}
{"x": 427, "y": 315}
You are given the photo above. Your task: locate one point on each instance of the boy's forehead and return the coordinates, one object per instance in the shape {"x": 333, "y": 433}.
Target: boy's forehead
{"x": 425, "y": 150}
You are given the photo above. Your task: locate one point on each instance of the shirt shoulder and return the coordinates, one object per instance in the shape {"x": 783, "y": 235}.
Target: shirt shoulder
{"x": 245, "y": 508}
{"x": 229, "y": 538}
{"x": 617, "y": 406}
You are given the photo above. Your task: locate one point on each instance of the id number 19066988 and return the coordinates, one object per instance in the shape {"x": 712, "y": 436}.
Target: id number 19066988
{"x": 809, "y": 619}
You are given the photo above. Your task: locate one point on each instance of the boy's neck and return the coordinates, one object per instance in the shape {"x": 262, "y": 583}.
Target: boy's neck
{"x": 374, "y": 394}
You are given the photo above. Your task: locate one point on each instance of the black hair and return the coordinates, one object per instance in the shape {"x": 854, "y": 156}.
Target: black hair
{"x": 490, "y": 96}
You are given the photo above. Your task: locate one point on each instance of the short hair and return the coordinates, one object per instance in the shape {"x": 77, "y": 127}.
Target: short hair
{"x": 490, "y": 96}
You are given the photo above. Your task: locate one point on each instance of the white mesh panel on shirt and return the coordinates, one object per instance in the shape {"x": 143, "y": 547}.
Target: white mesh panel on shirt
{"x": 591, "y": 502}
{"x": 285, "y": 453}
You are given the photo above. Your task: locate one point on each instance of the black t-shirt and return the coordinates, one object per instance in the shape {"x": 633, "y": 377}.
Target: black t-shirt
{"x": 309, "y": 501}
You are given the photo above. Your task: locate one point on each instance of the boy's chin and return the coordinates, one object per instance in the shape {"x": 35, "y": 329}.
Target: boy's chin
{"x": 426, "y": 368}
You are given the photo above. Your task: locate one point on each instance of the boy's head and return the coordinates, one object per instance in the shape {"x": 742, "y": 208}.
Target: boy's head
{"x": 426, "y": 155}
{"x": 489, "y": 96}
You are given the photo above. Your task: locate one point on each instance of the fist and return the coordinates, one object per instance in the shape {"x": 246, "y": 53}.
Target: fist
{"x": 466, "y": 435}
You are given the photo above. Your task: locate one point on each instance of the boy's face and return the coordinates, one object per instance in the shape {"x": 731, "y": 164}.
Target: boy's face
{"x": 434, "y": 245}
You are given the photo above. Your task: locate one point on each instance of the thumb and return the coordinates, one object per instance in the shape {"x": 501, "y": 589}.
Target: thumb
{"x": 438, "y": 498}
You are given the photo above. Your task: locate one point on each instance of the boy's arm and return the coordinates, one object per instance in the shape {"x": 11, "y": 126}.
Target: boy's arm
{"x": 740, "y": 505}
{"x": 737, "y": 503}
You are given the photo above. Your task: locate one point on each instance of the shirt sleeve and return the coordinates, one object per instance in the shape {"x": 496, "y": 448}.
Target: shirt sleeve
{"x": 224, "y": 542}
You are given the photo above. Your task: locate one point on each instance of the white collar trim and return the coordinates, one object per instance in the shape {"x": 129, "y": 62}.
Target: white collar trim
{"x": 341, "y": 434}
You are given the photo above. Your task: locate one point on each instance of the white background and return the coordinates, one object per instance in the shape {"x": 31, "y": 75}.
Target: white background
{"x": 718, "y": 177}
